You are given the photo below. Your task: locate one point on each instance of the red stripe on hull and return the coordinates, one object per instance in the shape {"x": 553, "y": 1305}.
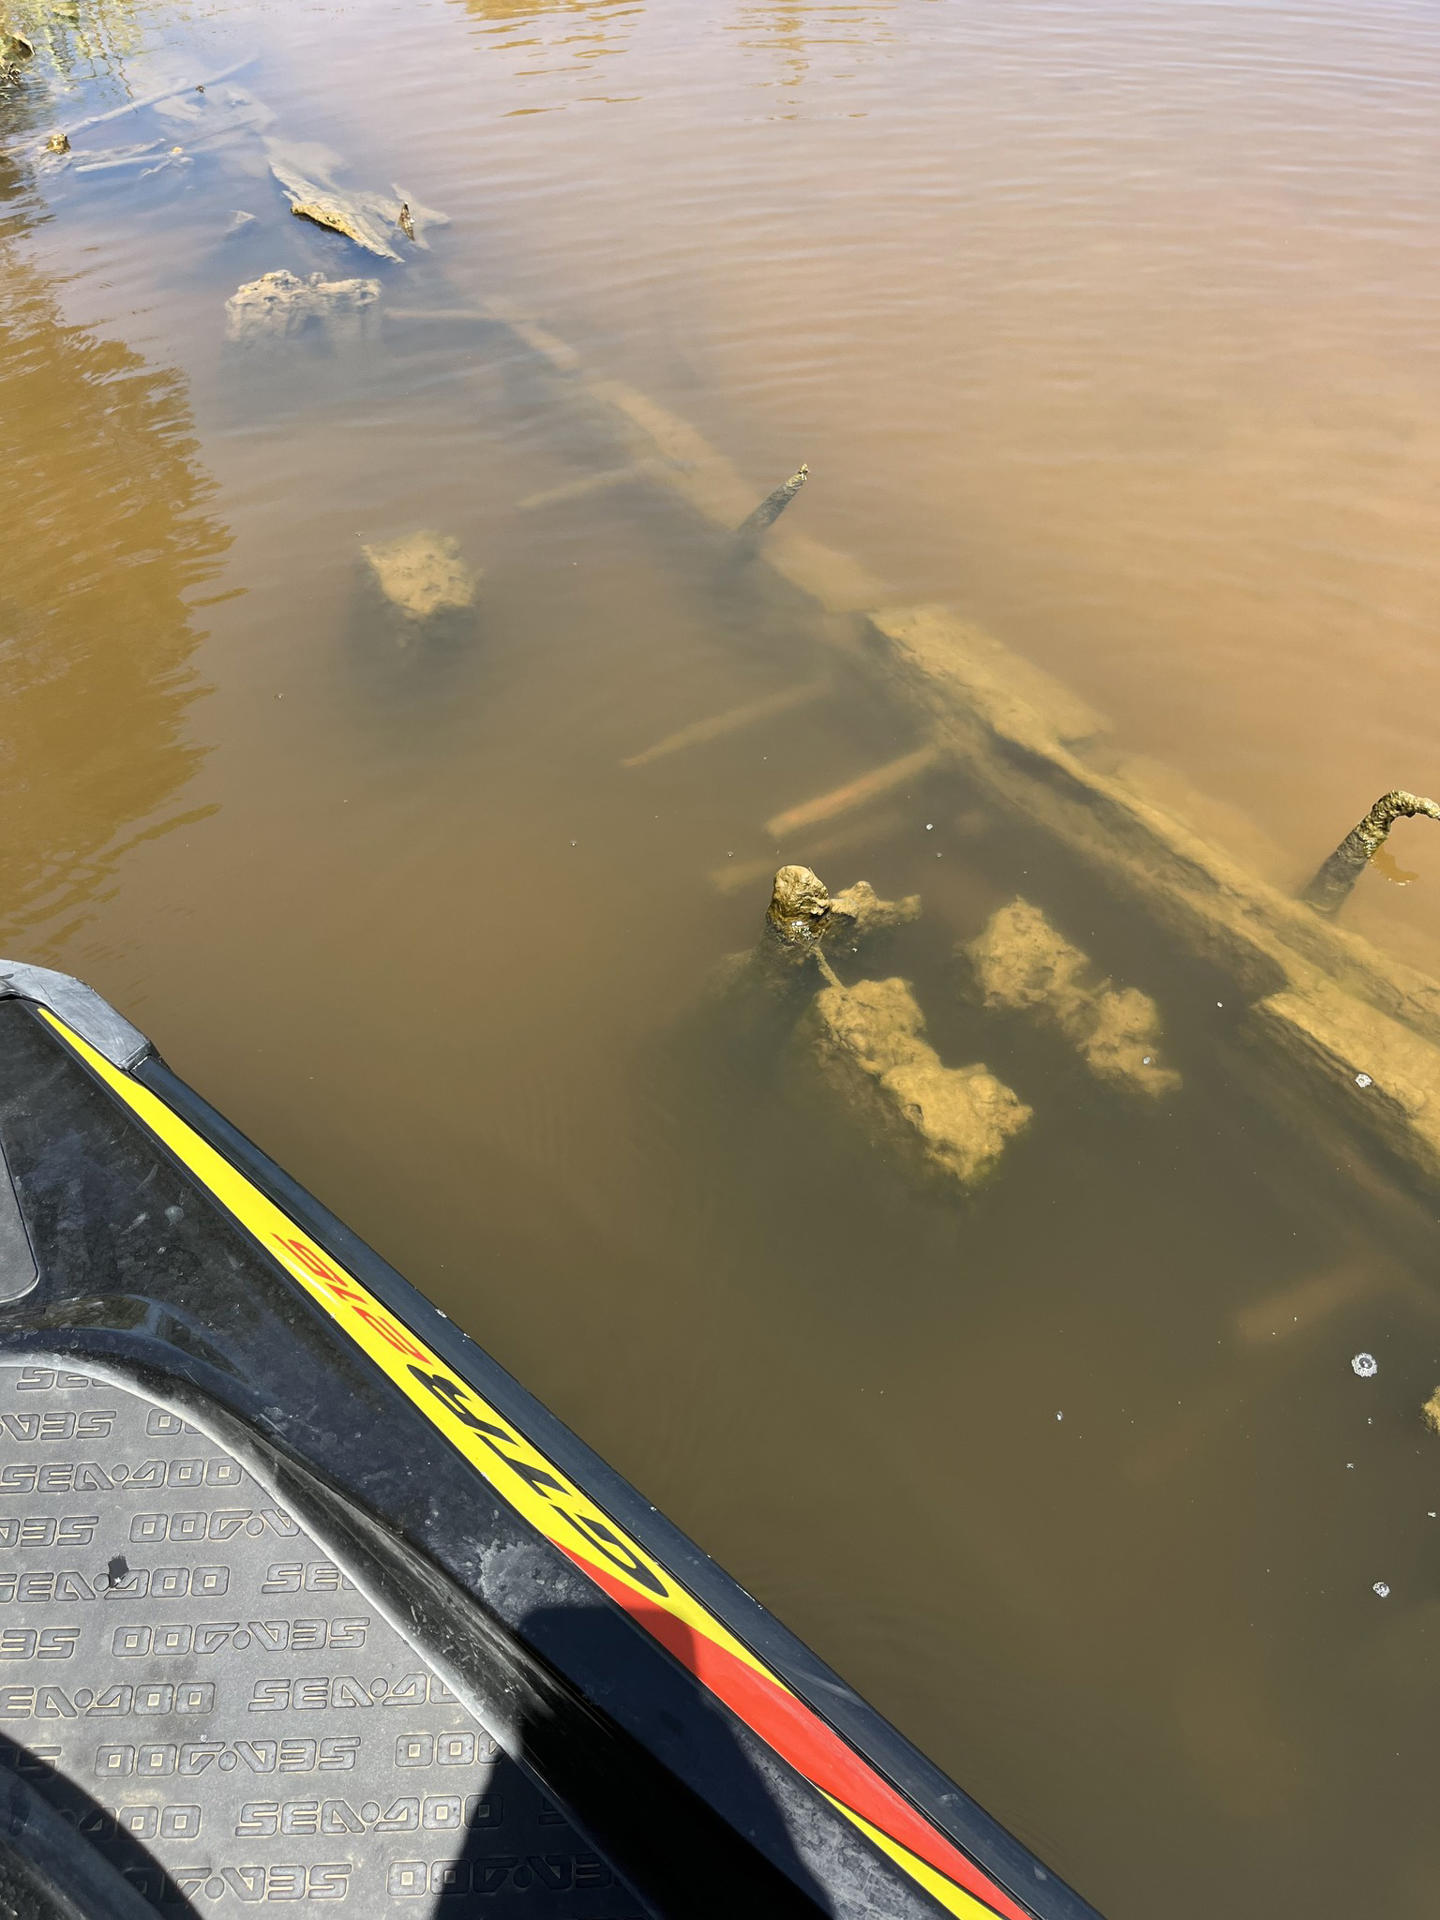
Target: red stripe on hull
{"x": 800, "y": 1736}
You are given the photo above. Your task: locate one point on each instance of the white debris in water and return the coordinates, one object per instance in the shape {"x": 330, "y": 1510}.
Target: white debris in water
{"x": 1382, "y": 1589}
{"x": 1363, "y": 1080}
{"x": 929, "y": 826}
{"x": 1059, "y": 1416}
{"x": 1365, "y": 1365}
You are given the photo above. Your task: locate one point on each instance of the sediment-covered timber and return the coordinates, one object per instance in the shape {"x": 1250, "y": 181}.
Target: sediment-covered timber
{"x": 1333, "y": 1019}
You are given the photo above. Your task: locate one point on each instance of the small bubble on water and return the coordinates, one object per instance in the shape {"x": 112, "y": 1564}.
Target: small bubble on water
{"x": 1365, "y": 1365}
{"x": 1363, "y": 1080}
{"x": 1382, "y": 1589}
{"x": 1147, "y": 1061}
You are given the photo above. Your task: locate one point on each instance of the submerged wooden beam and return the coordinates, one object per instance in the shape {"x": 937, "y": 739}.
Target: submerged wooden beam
{"x": 857, "y": 793}
{"x": 1338, "y": 1020}
{"x": 733, "y": 720}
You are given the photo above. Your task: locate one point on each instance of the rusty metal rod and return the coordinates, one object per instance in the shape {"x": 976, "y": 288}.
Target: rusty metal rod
{"x": 1332, "y": 885}
{"x": 773, "y": 505}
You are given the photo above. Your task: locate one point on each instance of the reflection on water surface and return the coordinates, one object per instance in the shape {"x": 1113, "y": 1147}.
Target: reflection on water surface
{"x": 109, "y": 532}
{"x": 1114, "y": 326}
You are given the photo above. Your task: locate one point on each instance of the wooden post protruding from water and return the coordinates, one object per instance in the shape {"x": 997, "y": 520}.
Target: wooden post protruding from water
{"x": 1331, "y": 886}
{"x": 773, "y": 505}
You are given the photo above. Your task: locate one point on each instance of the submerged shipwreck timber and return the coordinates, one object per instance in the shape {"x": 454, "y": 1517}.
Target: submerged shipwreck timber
{"x": 1343, "y": 1031}
{"x": 1023, "y": 965}
{"x": 866, "y": 1042}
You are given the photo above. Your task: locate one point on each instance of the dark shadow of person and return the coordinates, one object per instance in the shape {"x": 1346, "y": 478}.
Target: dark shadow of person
{"x": 63, "y": 1854}
{"x": 690, "y": 1822}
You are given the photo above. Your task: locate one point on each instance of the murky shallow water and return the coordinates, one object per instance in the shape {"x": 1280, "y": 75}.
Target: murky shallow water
{"x": 1115, "y": 326}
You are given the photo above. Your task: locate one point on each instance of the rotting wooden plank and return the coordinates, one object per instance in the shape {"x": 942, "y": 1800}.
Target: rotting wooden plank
{"x": 855, "y": 793}
{"x": 733, "y": 720}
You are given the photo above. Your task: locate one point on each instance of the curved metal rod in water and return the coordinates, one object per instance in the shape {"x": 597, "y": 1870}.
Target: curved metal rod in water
{"x": 773, "y": 505}
{"x": 1331, "y": 886}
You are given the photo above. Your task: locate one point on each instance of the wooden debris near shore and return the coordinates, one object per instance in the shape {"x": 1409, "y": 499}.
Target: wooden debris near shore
{"x": 154, "y": 99}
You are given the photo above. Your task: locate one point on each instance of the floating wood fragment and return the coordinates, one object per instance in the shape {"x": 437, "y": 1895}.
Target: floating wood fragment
{"x": 369, "y": 219}
{"x": 145, "y": 156}
{"x": 858, "y": 793}
{"x": 733, "y": 720}
{"x": 1332, "y": 885}
{"x": 773, "y": 505}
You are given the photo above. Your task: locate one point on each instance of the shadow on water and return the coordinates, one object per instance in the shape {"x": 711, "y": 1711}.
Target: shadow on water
{"x": 109, "y": 533}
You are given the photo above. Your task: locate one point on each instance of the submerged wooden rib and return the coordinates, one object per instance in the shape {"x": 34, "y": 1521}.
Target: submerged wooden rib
{"x": 733, "y": 720}
{"x": 855, "y": 793}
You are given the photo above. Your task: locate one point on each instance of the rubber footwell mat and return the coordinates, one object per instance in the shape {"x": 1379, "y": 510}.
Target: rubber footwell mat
{"x": 208, "y": 1700}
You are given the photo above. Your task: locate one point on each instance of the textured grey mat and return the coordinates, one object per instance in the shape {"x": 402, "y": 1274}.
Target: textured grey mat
{"x": 178, "y": 1648}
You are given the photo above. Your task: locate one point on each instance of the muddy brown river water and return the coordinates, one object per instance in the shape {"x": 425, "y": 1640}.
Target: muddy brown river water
{"x": 1113, "y": 325}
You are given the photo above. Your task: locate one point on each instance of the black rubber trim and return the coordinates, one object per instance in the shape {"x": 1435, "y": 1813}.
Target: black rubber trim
{"x": 952, "y": 1810}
